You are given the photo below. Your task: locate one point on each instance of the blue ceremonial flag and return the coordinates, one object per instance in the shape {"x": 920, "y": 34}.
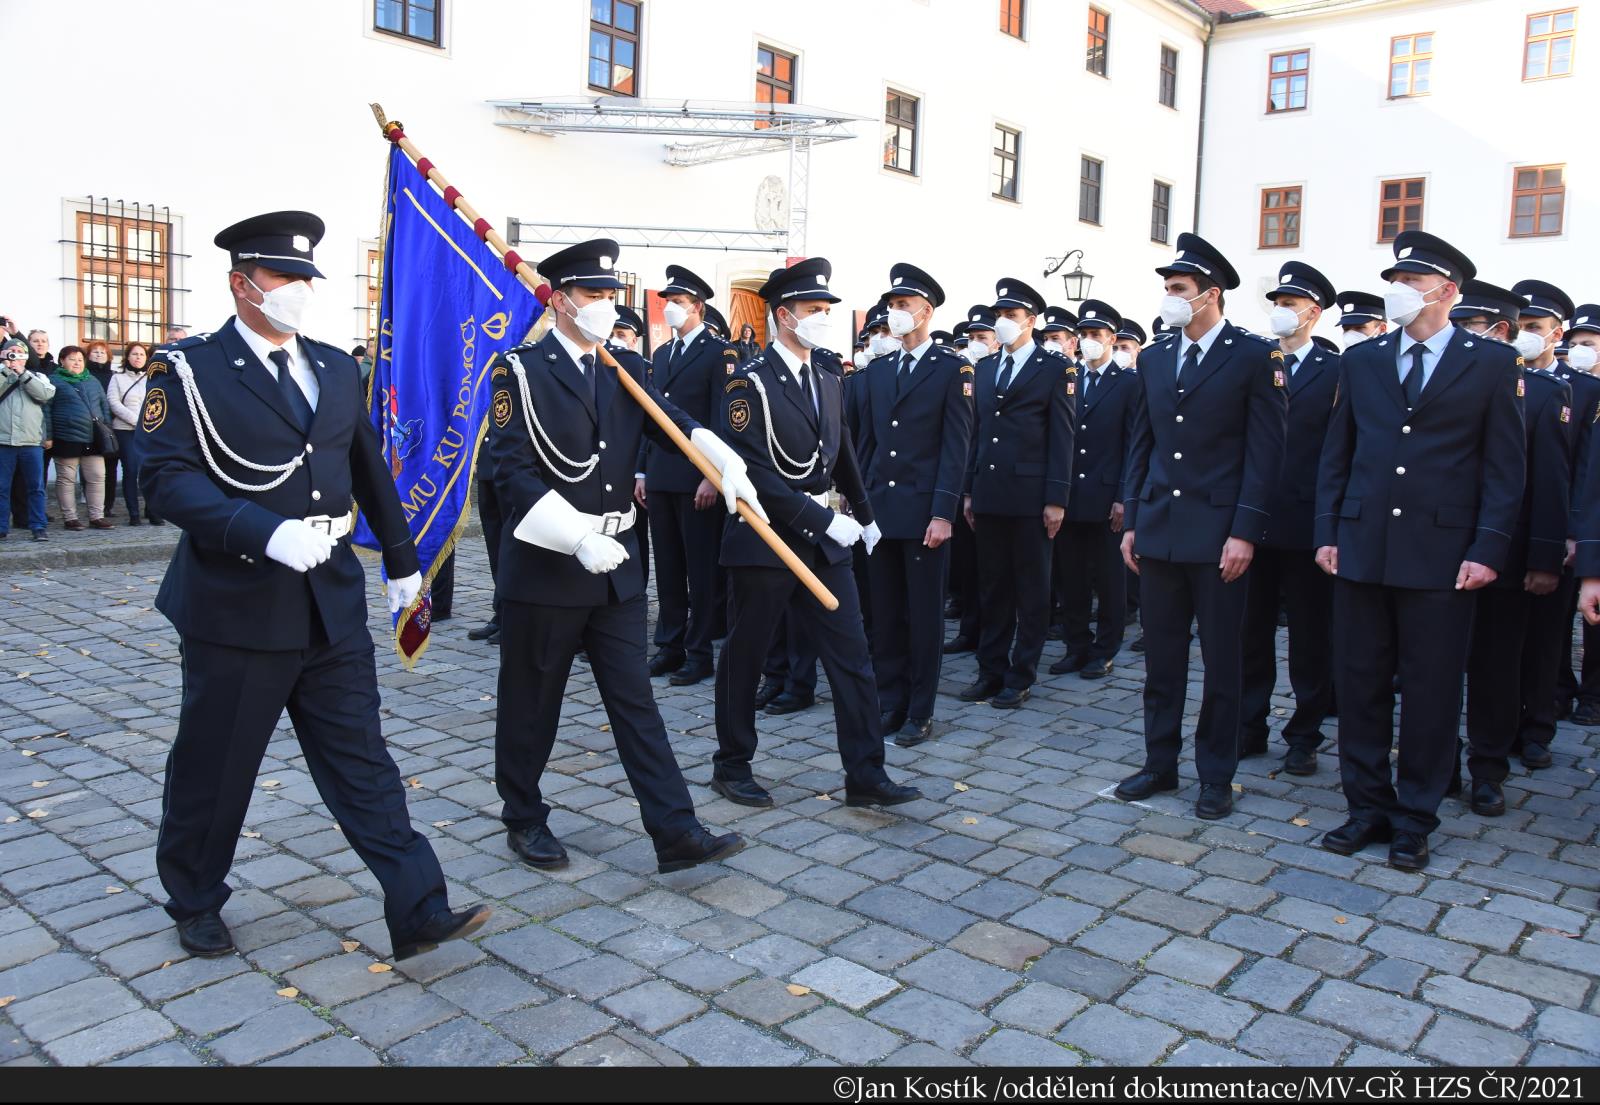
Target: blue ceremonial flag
{"x": 448, "y": 305}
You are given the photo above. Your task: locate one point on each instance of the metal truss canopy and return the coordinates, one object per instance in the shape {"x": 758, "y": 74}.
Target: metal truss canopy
{"x": 697, "y": 131}
{"x": 519, "y": 232}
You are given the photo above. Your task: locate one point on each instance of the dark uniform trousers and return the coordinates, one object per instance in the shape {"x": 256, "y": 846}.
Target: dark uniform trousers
{"x": 686, "y": 543}
{"x": 758, "y": 597}
{"x": 1176, "y": 594}
{"x": 1581, "y": 681}
{"x": 1089, "y": 562}
{"x": 1423, "y": 636}
{"x": 1014, "y": 589}
{"x": 791, "y": 657}
{"x": 545, "y": 639}
{"x": 1306, "y": 590}
{"x": 489, "y": 513}
{"x": 907, "y": 624}
{"x": 232, "y": 700}
{"x": 1501, "y": 644}
{"x": 964, "y": 575}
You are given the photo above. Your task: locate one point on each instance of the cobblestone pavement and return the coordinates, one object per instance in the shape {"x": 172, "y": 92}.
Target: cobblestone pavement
{"x": 1015, "y": 916}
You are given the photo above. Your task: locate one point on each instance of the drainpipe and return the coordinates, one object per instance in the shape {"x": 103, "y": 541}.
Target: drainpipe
{"x": 1200, "y": 136}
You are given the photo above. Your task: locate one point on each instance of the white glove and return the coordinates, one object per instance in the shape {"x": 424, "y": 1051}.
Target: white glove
{"x": 736, "y": 483}
{"x": 600, "y": 554}
{"x": 403, "y": 592}
{"x": 299, "y": 546}
{"x": 871, "y": 534}
{"x": 844, "y": 530}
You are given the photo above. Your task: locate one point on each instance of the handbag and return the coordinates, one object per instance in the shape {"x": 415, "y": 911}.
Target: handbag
{"x": 105, "y": 439}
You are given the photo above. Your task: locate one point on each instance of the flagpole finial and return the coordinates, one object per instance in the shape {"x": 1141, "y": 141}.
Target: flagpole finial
{"x": 384, "y": 124}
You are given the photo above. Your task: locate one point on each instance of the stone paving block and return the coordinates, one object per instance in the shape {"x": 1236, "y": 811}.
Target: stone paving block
{"x": 1198, "y": 961}
{"x": 169, "y": 1054}
{"x": 488, "y": 989}
{"x": 654, "y": 1006}
{"x": 1188, "y": 1007}
{"x": 1010, "y": 1048}
{"x": 535, "y": 949}
{"x": 1291, "y": 1042}
{"x": 104, "y": 1042}
{"x": 340, "y": 978}
{"x": 1398, "y": 976}
{"x": 271, "y": 1033}
{"x": 549, "y": 1029}
{"x": 716, "y": 1039}
{"x": 335, "y": 1051}
{"x": 880, "y": 947}
{"x": 1001, "y": 945}
{"x": 1330, "y": 957}
{"x": 185, "y": 975}
{"x": 1079, "y": 971}
{"x": 1443, "y": 955}
{"x": 71, "y": 1008}
{"x": 1039, "y": 1007}
{"x": 842, "y": 1036}
{"x": 46, "y": 973}
{"x": 1461, "y": 1043}
{"x": 897, "y": 906}
{"x": 1056, "y": 918}
{"x": 1475, "y": 926}
{"x": 1484, "y": 1002}
{"x": 1124, "y": 940}
{"x": 1564, "y": 1026}
{"x": 1531, "y": 980}
{"x": 938, "y": 1020}
{"x": 958, "y": 976}
{"x": 766, "y": 1001}
{"x": 29, "y": 944}
{"x": 1117, "y": 1037}
{"x": 847, "y": 983}
{"x": 386, "y": 1018}
{"x": 607, "y": 1051}
{"x": 459, "y": 1042}
{"x": 596, "y": 976}
{"x": 1378, "y": 1017}
{"x": 810, "y": 921}
{"x": 739, "y": 894}
{"x": 777, "y": 955}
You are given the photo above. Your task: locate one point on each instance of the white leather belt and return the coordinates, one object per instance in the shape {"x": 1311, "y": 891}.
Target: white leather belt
{"x": 821, "y": 498}
{"x": 614, "y": 522}
{"x": 333, "y": 527}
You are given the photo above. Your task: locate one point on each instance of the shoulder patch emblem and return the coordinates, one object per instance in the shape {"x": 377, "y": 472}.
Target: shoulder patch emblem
{"x": 739, "y": 415}
{"x": 1276, "y": 354}
{"x": 1278, "y": 380}
{"x": 502, "y": 408}
{"x": 735, "y": 384}
{"x": 1566, "y": 414}
{"x": 967, "y": 370}
{"x": 499, "y": 371}
{"x": 155, "y": 410}
{"x": 155, "y": 368}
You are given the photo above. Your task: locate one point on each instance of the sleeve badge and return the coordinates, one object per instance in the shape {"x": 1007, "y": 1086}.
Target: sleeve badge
{"x": 966, "y": 388}
{"x": 155, "y": 410}
{"x": 1522, "y": 387}
{"x": 502, "y": 408}
{"x": 739, "y": 415}
{"x": 1566, "y": 414}
{"x": 1278, "y": 380}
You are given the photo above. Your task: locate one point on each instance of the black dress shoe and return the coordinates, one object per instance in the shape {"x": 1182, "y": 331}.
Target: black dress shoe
{"x": 205, "y": 935}
{"x": 1096, "y": 669}
{"x": 697, "y": 846}
{"x": 914, "y": 732}
{"x": 1301, "y": 761}
{"x": 690, "y": 674}
{"x": 952, "y": 610}
{"x": 157, "y": 521}
{"x": 743, "y": 792}
{"x": 537, "y": 847}
{"x": 1353, "y": 835}
{"x": 1488, "y": 800}
{"x": 1010, "y": 698}
{"x": 1215, "y": 802}
{"x": 1143, "y": 784}
{"x": 890, "y": 721}
{"x": 494, "y": 638}
{"x": 885, "y": 794}
{"x": 1138, "y": 646}
{"x": 442, "y": 926}
{"x": 1535, "y": 756}
{"x": 1584, "y": 713}
{"x": 982, "y": 689}
{"x": 1068, "y": 664}
{"x": 1409, "y": 852}
{"x": 767, "y": 691}
{"x": 1054, "y": 633}
{"x": 959, "y": 643}
{"x": 1249, "y": 748}
{"x": 787, "y": 703}
{"x": 488, "y": 629}
{"x": 665, "y": 662}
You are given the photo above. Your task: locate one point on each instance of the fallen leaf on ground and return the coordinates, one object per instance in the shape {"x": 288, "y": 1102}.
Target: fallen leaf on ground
{"x": 794, "y": 988}
{"x": 23, "y": 674}
{"x": 824, "y": 797}
{"x": 1558, "y": 932}
{"x": 30, "y": 751}
{"x": 38, "y": 784}
{"x": 12, "y": 820}
{"x": 379, "y": 968}
{"x": 114, "y": 890}
{"x": 165, "y": 965}
{"x": 415, "y": 783}
{"x": 1238, "y": 788}
{"x": 1301, "y": 821}
{"x": 605, "y": 728}
{"x": 961, "y": 786}
{"x": 288, "y": 992}
{"x": 7, "y": 1000}
{"x": 349, "y": 945}
{"x": 1341, "y": 920}
{"x": 248, "y": 835}
{"x": 443, "y": 824}
{"x": 270, "y": 784}
{"x": 36, "y": 814}
{"x": 969, "y": 820}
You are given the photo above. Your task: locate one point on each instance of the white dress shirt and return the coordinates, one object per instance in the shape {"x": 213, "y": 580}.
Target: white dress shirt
{"x": 1433, "y": 349}
{"x": 299, "y": 364}
{"x": 1206, "y": 341}
{"x": 795, "y": 364}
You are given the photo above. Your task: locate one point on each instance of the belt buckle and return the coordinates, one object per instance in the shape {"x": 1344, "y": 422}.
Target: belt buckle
{"x": 322, "y": 523}
{"x": 610, "y": 524}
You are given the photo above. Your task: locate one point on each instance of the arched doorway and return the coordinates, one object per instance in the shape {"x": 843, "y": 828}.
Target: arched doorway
{"x": 746, "y": 307}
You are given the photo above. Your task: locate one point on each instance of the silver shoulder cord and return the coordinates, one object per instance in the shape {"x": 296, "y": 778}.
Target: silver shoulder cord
{"x": 541, "y": 440}
{"x": 797, "y": 469}
{"x": 205, "y": 431}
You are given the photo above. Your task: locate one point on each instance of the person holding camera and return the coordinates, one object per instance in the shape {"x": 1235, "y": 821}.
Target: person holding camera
{"x": 24, "y": 402}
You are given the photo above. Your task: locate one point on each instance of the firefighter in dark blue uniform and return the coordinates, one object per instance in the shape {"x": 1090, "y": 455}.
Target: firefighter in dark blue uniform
{"x": 1087, "y": 555}
{"x": 1418, "y": 492}
{"x": 1578, "y": 692}
{"x": 1511, "y": 669}
{"x": 784, "y": 415}
{"x": 685, "y": 525}
{"x": 913, "y": 408}
{"x": 564, "y": 441}
{"x": 1019, "y": 475}
{"x": 1206, "y": 447}
{"x": 267, "y": 595}
{"x": 977, "y": 332}
{"x": 1283, "y": 573}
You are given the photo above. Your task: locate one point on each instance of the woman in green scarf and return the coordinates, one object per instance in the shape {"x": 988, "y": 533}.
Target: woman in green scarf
{"x": 78, "y": 401}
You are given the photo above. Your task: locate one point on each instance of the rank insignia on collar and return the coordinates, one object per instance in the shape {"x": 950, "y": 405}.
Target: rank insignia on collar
{"x": 1277, "y": 378}
{"x": 1566, "y": 414}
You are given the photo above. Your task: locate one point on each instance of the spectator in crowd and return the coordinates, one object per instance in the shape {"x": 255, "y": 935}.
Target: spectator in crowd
{"x": 39, "y": 342}
{"x": 363, "y": 363}
{"x": 98, "y": 355}
{"x": 78, "y": 401}
{"x": 175, "y": 334}
{"x": 125, "y": 396}
{"x": 746, "y": 346}
{"x": 24, "y": 399}
{"x": 39, "y": 360}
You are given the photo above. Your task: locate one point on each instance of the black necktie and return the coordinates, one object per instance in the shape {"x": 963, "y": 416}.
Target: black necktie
{"x": 805, "y": 388}
{"x": 1413, "y": 381}
{"x": 1094, "y": 380}
{"x": 672, "y": 358}
{"x": 1290, "y": 361}
{"x": 902, "y": 374}
{"x": 588, "y": 372}
{"x": 1191, "y": 357}
{"x": 291, "y": 391}
{"x": 1005, "y": 375}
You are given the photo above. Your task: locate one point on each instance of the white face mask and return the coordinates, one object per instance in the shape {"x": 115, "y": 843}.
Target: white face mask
{"x": 882, "y": 345}
{"x": 1582, "y": 358}
{"x": 1530, "y": 345}
{"x": 1352, "y": 337}
{"x": 675, "y": 314}
{"x": 1402, "y": 303}
{"x": 1177, "y": 311}
{"x": 1007, "y": 330}
{"x": 813, "y": 330}
{"x": 1123, "y": 359}
{"x": 285, "y": 306}
{"x": 1059, "y": 347}
{"x": 1284, "y": 321}
{"x": 1092, "y": 350}
{"x": 901, "y": 323}
{"x": 595, "y": 320}
{"x": 977, "y": 351}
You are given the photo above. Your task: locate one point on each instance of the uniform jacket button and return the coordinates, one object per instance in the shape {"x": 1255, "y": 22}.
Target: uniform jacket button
{"x": 892, "y": 453}
{"x": 891, "y": 483}
{"x": 1180, "y": 418}
{"x": 1176, "y": 494}
{"x": 1177, "y": 456}
{"x": 991, "y": 468}
{"x": 1395, "y": 512}
{"x": 316, "y": 496}
{"x": 1083, "y": 452}
{"x": 310, "y": 448}
{"x": 1400, "y": 471}
{"x": 1081, "y": 475}
{"x": 1405, "y": 429}
{"x": 608, "y": 487}
{"x": 602, "y": 445}
{"x": 895, "y": 423}
{"x": 995, "y": 440}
